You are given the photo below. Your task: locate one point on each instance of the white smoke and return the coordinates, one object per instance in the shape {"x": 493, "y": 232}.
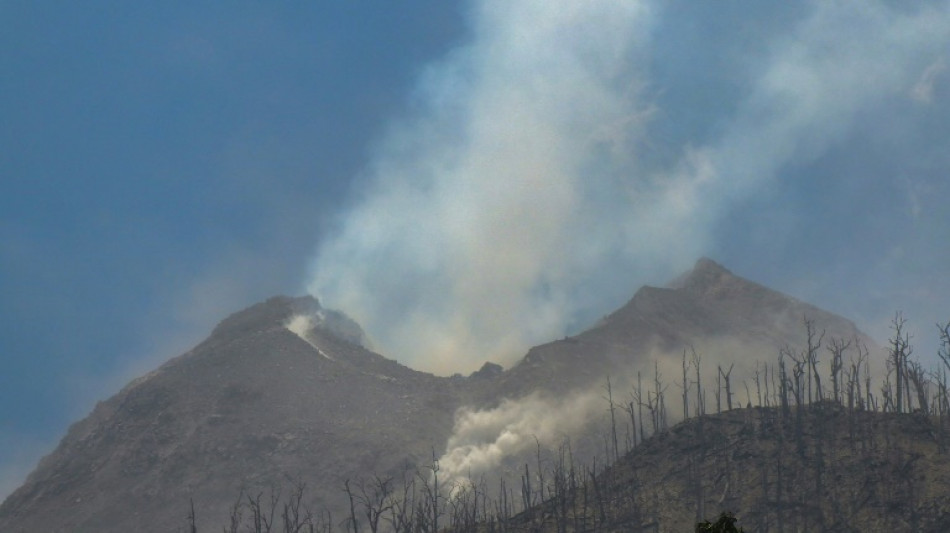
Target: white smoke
{"x": 300, "y": 325}
{"x": 488, "y": 217}
{"x": 510, "y": 204}
{"x": 482, "y": 439}
{"x": 923, "y": 90}
{"x": 845, "y": 64}
{"x": 845, "y": 59}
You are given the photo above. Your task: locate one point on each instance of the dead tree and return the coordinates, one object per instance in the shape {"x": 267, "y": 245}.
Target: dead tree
{"x": 798, "y": 391}
{"x": 402, "y": 508}
{"x": 192, "y": 521}
{"x": 918, "y": 378}
{"x": 527, "y": 501}
{"x": 943, "y": 405}
{"x": 783, "y": 383}
{"x": 685, "y": 388}
{"x": 811, "y": 357}
{"x": 860, "y": 400}
{"x": 429, "y": 504}
{"x": 613, "y": 420}
{"x": 295, "y": 515}
{"x": 855, "y": 399}
{"x": 944, "y": 351}
{"x": 659, "y": 389}
{"x": 797, "y": 382}
{"x": 870, "y": 402}
{"x": 887, "y": 395}
{"x": 718, "y": 390}
{"x": 352, "y": 521}
{"x": 630, "y": 410}
{"x": 837, "y": 349}
{"x": 236, "y": 518}
{"x": 725, "y": 379}
{"x": 899, "y": 353}
{"x": 262, "y": 512}
{"x": 541, "y": 496}
{"x": 700, "y": 395}
{"x": 375, "y": 500}
{"x": 637, "y": 395}
{"x": 758, "y": 386}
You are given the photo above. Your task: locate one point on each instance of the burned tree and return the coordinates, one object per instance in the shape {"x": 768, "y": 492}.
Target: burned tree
{"x": 898, "y": 355}
{"x": 810, "y": 359}
{"x": 837, "y": 349}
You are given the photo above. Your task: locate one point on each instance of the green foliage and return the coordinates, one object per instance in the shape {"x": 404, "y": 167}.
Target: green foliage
{"x": 725, "y": 524}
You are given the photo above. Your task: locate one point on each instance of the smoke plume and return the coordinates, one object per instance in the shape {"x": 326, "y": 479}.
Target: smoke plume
{"x": 488, "y": 215}
{"x": 512, "y": 202}
{"x": 482, "y": 439}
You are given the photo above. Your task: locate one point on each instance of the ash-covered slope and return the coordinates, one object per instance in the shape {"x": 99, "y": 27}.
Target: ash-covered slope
{"x": 284, "y": 391}
{"x": 829, "y": 470}
{"x": 251, "y": 405}
{"x": 725, "y": 318}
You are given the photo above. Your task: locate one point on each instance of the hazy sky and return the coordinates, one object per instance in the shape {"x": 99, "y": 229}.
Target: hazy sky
{"x": 464, "y": 178}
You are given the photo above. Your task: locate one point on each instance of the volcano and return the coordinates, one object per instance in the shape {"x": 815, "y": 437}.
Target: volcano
{"x": 287, "y": 391}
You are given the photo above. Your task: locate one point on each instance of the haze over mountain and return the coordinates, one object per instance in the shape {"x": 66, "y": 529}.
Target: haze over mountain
{"x": 284, "y": 390}
{"x": 444, "y": 169}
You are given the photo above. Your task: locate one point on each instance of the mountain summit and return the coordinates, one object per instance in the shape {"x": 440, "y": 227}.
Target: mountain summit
{"x": 287, "y": 390}
{"x": 256, "y": 404}
{"x": 725, "y": 318}
{"x": 705, "y": 274}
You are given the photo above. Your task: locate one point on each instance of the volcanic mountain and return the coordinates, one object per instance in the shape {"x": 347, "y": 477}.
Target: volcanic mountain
{"x": 287, "y": 391}
{"x": 724, "y": 318}
{"x": 824, "y": 467}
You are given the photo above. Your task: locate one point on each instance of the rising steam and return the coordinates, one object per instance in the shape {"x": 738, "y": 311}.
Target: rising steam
{"x": 482, "y": 439}
{"x": 511, "y": 203}
{"x": 487, "y": 216}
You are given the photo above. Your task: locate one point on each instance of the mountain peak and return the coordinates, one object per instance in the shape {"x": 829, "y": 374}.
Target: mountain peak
{"x": 273, "y": 312}
{"x": 279, "y": 311}
{"x": 705, "y": 275}
{"x": 705, "y": 264}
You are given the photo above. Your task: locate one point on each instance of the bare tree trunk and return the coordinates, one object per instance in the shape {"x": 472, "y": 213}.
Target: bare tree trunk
{"x": 700, "y": 397}
{"x": 719, "y": 390}
{"x": 685, "y": 388}
{"x": 192, "y": 522}
{"x": 783, "y": 382}
{"x": 613, "y": 420}
{"x": 811, "y": 356}
{"x": 725, "y": 379}
{"x": 918, "y": 377}
{"x": 837, "y": 349}
{"x": 349, "y": 493}
{"x": 758, "y": 387}
{"x": 899, "y": 351}
{"x": 639, "y": 393}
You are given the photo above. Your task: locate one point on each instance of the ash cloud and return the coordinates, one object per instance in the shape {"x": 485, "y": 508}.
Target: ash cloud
{"x": 513, "y": 201}
{"x": 489, "y": 216}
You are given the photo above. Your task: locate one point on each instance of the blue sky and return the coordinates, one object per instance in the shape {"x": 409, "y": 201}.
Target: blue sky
{"x": 443, "y": 170}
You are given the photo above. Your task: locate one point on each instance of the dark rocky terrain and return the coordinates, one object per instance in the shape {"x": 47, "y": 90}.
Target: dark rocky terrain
{"x": 849, "y": 471}
{"x": 253, "y": 405}
{"x": 258, "y": 405}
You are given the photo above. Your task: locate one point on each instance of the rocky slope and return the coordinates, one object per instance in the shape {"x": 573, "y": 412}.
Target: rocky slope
{"x": 833, "y": 470}
{"x": 725, "y": 318}
{"x": 285, "y": 391}
{"x": 253, "y": 405}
